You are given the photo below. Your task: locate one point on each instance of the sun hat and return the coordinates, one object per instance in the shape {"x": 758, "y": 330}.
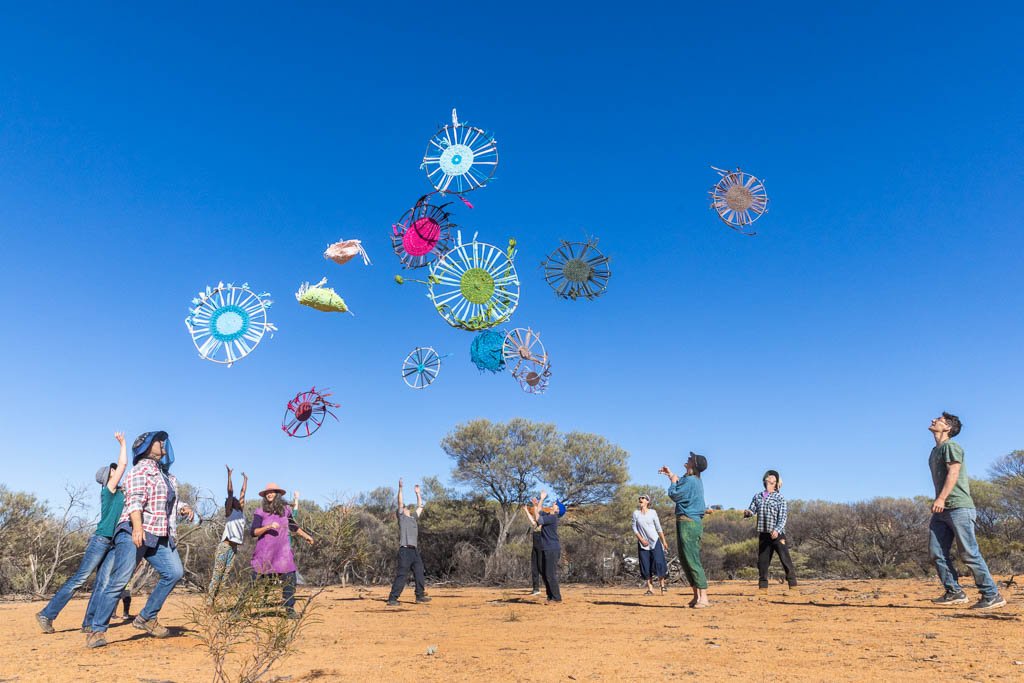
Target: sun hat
{"x": 272, "y": 487}
{"x": 143, "y": 442}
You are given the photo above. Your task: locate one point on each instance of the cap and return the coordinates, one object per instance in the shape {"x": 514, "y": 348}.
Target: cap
{"x": 699, "y": 461}
{"x": 103, "y": 474}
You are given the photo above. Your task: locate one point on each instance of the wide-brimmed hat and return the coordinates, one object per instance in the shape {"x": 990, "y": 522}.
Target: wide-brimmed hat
{"x": 699, "y": 461}
{"x": 272, "y": 487}
{"x": 143, "y": 442}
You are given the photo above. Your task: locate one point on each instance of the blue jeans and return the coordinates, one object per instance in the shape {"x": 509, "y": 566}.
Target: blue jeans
{"x": 958, "y": 524}
{"x": 124, "y": 558}
{"x": 95, "y": 551}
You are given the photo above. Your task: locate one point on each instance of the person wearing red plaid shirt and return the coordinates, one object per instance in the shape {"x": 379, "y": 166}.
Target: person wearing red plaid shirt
{"x": 147, "y": 530}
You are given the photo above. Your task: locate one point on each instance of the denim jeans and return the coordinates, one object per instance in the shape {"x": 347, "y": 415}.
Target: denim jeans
{"x": 95, "y": 551}
{"x": 124, "y": 558}
{"x": 287, "y": 581}
{"x": 98, "y": 586}
{"x": 958, "y": 524}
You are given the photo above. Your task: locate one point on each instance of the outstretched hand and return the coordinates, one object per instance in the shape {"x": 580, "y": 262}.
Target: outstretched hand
{"x": 228, "y": 469}
{"x": 399, "y": 482}
{"x": 416, "y": 489}
{"x": 120, "y": 437}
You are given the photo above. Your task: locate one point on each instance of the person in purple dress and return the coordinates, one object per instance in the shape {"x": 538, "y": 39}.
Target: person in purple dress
{"x": 272, "y": 526}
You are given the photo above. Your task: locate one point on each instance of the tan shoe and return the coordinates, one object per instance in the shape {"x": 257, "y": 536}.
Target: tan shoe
{"x": 95, "y": 640}
{"x": 152, "y": 627}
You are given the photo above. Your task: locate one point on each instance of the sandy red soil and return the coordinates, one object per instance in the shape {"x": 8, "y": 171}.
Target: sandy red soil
{"x": 827, "y": 630}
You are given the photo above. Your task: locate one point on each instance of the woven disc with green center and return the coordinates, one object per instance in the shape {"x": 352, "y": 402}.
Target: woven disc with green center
{"x": 477, "y": 285}
{"x": 577, "y": 270}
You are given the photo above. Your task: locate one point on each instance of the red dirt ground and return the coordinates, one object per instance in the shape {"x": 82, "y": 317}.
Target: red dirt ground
{"x": 820, "y": 631}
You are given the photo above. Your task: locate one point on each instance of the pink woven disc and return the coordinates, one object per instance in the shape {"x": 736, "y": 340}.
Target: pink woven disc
{"x": 421, "y": 237}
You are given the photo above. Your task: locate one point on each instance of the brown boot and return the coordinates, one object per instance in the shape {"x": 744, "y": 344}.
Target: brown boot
{"x": 96, "y": 639}
{"x": 152, "y": 627}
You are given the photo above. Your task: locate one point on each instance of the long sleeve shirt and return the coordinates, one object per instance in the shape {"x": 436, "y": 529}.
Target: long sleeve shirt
{"x": 155, "y": 494}
{"x": 688, "y": 494}
{"x": 647, "y": 525}
{"x": 771, "y": 511}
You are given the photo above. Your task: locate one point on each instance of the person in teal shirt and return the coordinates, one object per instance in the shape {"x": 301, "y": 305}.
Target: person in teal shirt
{"x": 111, "y": 504}
{"x": 688, "y": 494}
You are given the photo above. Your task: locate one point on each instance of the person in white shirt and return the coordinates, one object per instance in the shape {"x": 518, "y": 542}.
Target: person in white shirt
{"x": 234, "y": 532}
{"x": 651, "y": 544}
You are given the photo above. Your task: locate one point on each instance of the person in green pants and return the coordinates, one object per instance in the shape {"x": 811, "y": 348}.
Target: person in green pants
{"x": 688, "y": 494}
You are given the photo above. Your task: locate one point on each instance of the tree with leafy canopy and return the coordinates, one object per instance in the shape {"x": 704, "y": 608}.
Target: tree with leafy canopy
{"x": 508, "y": 462}
{"x": 502, "y": 461}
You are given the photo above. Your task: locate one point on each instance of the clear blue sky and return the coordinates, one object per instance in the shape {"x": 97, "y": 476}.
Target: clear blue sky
{"x": 146, "y": 152}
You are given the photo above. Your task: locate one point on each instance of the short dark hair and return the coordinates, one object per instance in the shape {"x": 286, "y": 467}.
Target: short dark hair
{"x": 954, "y": 423}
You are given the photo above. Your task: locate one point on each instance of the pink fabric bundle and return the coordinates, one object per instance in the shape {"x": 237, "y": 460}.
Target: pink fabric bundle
{"x": 344, "y": 251}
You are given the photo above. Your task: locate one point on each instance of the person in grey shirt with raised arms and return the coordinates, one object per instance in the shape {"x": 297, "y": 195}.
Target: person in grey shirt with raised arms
{"x": 408, "y": 549}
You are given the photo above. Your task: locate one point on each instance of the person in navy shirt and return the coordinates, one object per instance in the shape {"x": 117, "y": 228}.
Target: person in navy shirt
{"x": 545, "y": 519}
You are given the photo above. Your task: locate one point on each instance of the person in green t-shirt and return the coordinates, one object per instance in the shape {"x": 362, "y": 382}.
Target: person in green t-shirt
{"x": 111, "y": 504}
{"x": 953, "y": 517}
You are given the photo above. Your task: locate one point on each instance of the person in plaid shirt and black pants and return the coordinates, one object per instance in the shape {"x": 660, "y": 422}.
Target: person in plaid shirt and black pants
{"x": 771, "y": 510}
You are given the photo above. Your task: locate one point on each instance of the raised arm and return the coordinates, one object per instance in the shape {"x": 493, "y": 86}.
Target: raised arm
{"x": 122, "y": 463}
{"x": 672, "y": 476}
{"x": 529, "y": 515}
{"x": 294, "y": 527}
{"x": 295, "y": 501}
{"x": 419, "y": 500}
{"x": 400, "y": 505}
{"x": 245, "y": 485}
{"x": 229, "y": 501}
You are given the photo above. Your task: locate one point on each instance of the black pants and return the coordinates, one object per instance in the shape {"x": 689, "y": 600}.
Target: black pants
{"x": 408, "y": 558}
{"x": 766, "y": 545}
{"x": 549, "y": 571}
{"x": 536, "y": 567}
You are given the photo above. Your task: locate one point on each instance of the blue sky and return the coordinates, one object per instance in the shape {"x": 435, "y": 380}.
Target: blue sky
{"x": 146, "y": 152}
